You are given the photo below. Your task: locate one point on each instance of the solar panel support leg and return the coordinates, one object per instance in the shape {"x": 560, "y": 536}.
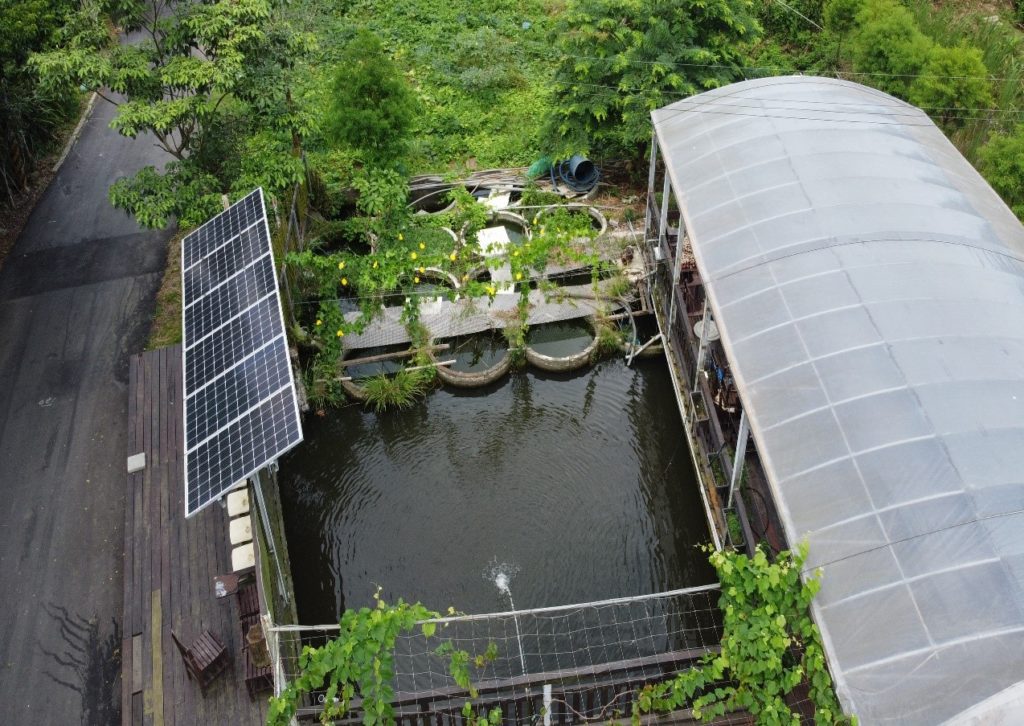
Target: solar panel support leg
{"x": 261, "y": 505}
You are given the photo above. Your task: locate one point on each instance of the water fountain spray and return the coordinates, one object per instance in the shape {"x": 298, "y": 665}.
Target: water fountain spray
{"x": 501, "y": 582}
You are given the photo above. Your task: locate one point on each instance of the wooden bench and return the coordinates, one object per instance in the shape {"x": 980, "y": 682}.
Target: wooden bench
{"x": 248, "y": 600}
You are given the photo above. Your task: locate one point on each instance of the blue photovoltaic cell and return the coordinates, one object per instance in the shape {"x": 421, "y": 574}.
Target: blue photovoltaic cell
{"x": 240, "y": 406}
{"x": 242, "y": 387}
{"x": 225, "y": 302}
{"x": 255, "y": 439}
{"x": 219, "y": 230}
{"x": 226, "y": 261}
{"x": 226, "y": 347}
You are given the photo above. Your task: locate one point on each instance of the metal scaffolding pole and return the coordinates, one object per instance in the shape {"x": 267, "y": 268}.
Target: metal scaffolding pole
{"x": 741, "y": 455}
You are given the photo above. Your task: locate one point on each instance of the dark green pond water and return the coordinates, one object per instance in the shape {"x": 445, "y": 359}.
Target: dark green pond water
{"x": 582, "y": 486}
{"x": 560, "y": 339}
{"x": 474, "y": 353}
{"x": 365, "y": 370}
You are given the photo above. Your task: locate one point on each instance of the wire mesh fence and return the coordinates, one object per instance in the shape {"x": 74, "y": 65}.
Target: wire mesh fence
{"x": 584, "y": 659}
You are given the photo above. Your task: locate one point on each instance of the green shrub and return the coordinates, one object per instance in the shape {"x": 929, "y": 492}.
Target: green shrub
{"x": 1002, "y": 163}
{"x": 372, "y": 108}
{"x": 840, "y": 16}
{"x": 888, "y": 46}
{"x": 398, "y": 391}
{"x": 953, "y": 84}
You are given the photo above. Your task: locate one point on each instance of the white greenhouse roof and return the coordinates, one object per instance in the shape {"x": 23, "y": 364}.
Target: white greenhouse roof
{"x": 869, "y": 288}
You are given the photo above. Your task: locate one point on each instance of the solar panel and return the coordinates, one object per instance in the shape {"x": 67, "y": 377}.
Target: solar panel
{"x": 241, "y": 412}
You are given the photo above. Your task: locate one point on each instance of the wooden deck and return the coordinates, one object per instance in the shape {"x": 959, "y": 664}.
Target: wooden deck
{"x": 169, "y": 565}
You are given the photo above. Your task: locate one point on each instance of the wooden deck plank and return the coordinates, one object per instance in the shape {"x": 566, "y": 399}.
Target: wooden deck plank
{"x": 178, "y": 681}
{"x": 166, "y": 526}
{"x": 173, "y": 560}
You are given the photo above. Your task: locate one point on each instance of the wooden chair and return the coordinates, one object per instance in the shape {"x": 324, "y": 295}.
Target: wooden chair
{"x": 204, "y": 660}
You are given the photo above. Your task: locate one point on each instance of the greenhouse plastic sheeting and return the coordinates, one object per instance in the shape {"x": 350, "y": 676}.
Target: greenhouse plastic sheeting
{"x": 869, "y": 289}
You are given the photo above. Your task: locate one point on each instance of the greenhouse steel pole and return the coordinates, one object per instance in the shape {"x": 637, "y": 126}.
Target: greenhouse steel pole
{"x": 702, "y": 348}
{"x": 739, "y": 460}
{"x": 651, "y": 174}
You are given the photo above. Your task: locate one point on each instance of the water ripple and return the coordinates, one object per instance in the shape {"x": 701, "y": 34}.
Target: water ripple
{"x": 583, "y": 481}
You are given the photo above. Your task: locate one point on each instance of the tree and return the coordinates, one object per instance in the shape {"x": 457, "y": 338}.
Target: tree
{"x": 1002, "y": 162}
{"x": 840, "y": 16}
{"x": 953, "y": 84}
{"x": 29, "y": 115}
{"x": 621, "y": 59}
{"x": 889, "y": 46}
{"x": 198, "y": 62}
{"x": 372, "y": 108}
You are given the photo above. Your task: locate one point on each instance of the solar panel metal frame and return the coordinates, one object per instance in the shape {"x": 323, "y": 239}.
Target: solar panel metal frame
{"x": 239, "y": 418}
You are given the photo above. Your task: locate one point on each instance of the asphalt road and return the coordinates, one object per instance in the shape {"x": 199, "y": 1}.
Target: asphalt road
{"x": 76, "y": 296}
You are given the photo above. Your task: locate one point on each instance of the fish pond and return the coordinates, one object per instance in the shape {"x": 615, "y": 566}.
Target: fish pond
{"x": 572, "y": 488}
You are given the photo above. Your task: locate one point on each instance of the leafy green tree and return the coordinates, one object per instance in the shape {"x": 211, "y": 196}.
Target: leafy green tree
{"x": 372, "y": 108}
{"x": 29, "y": 114}
{"x": 840, "y": 16}
{"x": 795, "y": 23}
{"x": 953, "y": 84}
{"x": 1002, "y": 162}
{"x": 889, "y": 46}
{"x": 624, "y": 58}
{"x": 197, "y": 61}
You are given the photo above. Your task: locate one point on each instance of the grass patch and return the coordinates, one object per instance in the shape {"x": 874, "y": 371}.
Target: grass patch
{"x": 398, "y": 391}
{"x": 166, "y": 326}
{"x": 480, "y": 71}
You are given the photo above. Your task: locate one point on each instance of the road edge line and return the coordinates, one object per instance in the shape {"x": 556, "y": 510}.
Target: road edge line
{"x": 76, "y": 133}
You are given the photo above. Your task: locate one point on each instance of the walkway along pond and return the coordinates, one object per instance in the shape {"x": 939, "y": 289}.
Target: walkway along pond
{"x": 579, "y": 485}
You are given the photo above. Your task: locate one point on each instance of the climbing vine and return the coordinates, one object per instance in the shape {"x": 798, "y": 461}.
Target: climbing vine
{"x": 770, "y": 646}
{"x": 358, "y": 663}
{"x": 389, "y": 252}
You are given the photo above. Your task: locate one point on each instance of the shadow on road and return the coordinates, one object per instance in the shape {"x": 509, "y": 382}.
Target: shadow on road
{"x": 90, "y": 664}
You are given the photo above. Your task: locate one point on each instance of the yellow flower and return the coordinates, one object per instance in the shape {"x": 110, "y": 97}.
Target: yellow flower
{"x": 412, "y": 255}
{"x": 344, "y": 281}
{"x": 516, "y": 253}
{"x": 422, "y": 246}
{"x": 491, "y": 290}
{"x": 465, "y": 277}
{"x": 400, "y": 237}
{"x": 519, "y": 276}
{"x": 375, "y": 264}
{"x": 452, "y": 257}
{"x": 319, "y": 322}
{"x": 416, "y": 278}
{"x": 341, "y": 265}
{"x": 340, "y": 332}
{"x": 422, "y": 269}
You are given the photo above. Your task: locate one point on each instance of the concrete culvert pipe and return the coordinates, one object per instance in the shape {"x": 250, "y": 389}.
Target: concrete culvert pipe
{"x": 598, "y": 221}
{"x": 561, "y": 363}
{"x": 471, "y": 373}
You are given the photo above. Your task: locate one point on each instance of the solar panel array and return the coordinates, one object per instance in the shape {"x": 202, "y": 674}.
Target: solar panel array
{"x": 241, "y": 411}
